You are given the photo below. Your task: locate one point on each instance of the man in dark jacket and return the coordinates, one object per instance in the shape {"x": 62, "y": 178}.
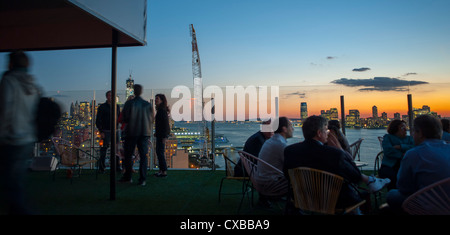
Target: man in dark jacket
{"x": 313, "y": 153}
{"x": 138, "y": 116}
{"x": 103, "y": 124}
{"x": 253, "y": 145}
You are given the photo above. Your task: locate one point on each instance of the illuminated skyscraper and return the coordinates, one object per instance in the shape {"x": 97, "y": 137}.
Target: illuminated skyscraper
{"x": 353, "y": 118}
{"x": 374, "y": 112}
{"x": 331, "y": 114}
{"x": 334, "y": 114}
{"x": 303, "y": 111}
{"x": 130, "y": 87}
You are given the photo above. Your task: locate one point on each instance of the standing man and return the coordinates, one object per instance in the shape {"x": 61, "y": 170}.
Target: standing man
{"x": 103, "y": 124}
{"x": 19, "y": 98}
{"x": 138, "y": 116}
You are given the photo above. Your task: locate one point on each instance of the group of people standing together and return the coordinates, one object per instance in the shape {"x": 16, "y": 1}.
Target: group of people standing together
{"x": 409, "y": 163}
{"x": 19, "y": 96}
{"x": 136, "y": 118}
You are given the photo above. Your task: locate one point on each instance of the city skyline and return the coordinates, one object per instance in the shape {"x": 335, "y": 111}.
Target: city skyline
{"x": 372, "y": 52}
{"x": 303, "y": 108}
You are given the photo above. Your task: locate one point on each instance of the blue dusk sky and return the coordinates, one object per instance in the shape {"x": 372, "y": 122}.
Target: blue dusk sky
{"x": 286, "y": 43}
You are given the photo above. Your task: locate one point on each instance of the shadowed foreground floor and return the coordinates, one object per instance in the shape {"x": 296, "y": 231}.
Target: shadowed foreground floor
{"x": 183, "y": 192}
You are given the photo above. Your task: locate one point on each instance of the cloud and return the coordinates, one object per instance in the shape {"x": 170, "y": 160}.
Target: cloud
{"x": 378, "y": 83}
{"x": 361, "y": 69}
{"x": 297, "y": 93}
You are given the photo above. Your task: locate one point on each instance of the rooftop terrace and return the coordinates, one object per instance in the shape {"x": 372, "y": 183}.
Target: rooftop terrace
{"x": 183, "y": 192}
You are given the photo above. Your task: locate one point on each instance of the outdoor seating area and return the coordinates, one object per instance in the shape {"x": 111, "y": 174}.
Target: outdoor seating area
{"x": 250, "y": 164}
{"x": 135, "y": 152}
{"x": 317, "y": 191}
{"x": 183, "y": 192}
{"x": 73, "y": 158}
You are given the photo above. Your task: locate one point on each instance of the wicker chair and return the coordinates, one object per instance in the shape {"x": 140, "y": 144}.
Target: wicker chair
{"x": 431, "y": 200}
{"x": 229, "y": 174}
{"x": 317, "y": 191}
{"x": 72, "y": 157}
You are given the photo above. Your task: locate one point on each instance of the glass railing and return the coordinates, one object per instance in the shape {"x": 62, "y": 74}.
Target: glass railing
{"x": 239, "y": 110}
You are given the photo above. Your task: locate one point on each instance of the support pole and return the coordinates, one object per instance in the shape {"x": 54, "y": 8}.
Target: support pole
{"x": 213, "y": 134}
{"x": 93, "y": 129}
{"x": 410, "y": 113}
{"x": 112, "y": 157}
{"x": 342, "y": 114}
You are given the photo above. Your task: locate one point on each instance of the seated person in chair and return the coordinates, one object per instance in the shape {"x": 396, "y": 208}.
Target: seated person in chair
{"x": 313, "y": 153}
{"x": 253, "y": 146}
{"x": 272, "y": 151}
{"x": 427, "y": 163}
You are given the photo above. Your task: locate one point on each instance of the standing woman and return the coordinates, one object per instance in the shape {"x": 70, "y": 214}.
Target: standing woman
{"x": 395, "y": 144}
{"x": 162, "y": 131}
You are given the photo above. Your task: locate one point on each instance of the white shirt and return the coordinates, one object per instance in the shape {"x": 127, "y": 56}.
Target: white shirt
{"x": 272, "y": 152}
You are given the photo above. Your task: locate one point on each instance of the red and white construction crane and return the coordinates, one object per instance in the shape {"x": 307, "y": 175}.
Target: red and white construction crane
{"x": 198, "y": 92}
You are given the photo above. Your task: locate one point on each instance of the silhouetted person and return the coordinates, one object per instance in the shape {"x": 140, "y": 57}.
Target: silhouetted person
{"x": 252, "y": 145}
{"x": 162, "y": 131}
{"x": 335, "y": 129}
{"x": 445, "y": 129}
{"x": 19, "y": 96}
{"x": 138, "y": 116}
{"x": 103, "y": 124}
{"x": 313, "y": 153}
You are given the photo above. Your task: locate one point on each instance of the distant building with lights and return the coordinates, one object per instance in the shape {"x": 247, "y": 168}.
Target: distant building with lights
{"x": 303, "y": 111}
{"x": 130, "y": 87}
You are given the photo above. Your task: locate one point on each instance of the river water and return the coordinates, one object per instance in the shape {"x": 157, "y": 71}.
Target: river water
{"x": 237, "y": 134}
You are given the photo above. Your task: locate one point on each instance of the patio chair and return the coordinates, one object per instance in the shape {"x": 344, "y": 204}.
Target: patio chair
{"x": 431, "y": 200}
{"x": 229, "y": 174}
{"x": 72, "y": 157}
{"x": 376, "y": 168}
{"x": 317, "y": 191}
{"x": 355, "y": 149}
{"x": 377, "y": 164}
{"x": 250, "y": 163}
{"x": 380, "y": 139}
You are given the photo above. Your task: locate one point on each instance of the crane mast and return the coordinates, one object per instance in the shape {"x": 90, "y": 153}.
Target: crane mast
{"x": 198, "y": 89}
{"x": 197, "y": 73}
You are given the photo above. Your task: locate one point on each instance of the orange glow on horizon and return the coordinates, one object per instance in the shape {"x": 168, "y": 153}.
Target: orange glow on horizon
{"x": 437, "y": 99}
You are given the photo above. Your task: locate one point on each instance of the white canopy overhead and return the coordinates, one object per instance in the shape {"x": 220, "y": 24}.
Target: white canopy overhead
{"x": 71, "y": 24}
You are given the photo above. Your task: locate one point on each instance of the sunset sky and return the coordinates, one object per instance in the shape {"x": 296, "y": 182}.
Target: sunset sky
{"x": 372, "y": 52}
